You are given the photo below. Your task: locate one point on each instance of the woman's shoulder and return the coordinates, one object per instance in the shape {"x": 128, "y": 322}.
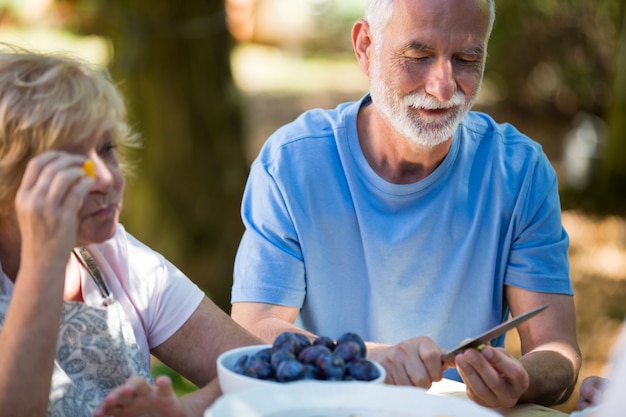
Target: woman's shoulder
{"x": 129, "y": 259}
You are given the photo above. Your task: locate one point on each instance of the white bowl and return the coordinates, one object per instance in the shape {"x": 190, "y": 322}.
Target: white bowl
{"x": 231, "y": 381}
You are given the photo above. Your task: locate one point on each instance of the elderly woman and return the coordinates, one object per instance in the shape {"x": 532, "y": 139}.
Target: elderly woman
{"x": 83, "y": 304}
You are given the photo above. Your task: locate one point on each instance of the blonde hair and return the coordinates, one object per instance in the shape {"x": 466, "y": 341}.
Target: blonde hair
{"x": 51, "y": 101}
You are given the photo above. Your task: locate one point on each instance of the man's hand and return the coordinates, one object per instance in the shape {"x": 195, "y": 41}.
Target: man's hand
{"x": 415, "y": 361}
{"x": 493, "y": 377}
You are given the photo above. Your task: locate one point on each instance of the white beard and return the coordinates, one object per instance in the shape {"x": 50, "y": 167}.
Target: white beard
{"x": 426, "y": 131}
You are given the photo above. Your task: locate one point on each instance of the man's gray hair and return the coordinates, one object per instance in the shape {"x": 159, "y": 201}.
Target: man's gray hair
{"x": 379, "y": 12}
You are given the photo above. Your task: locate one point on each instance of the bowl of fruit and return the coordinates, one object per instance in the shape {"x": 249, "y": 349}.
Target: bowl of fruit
{"x": 292, "y": 358}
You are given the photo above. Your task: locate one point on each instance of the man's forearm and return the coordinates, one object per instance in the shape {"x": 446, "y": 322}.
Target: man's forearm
{"x": 552, "y": 376}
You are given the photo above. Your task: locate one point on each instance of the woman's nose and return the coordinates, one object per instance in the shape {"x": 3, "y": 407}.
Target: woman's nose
{"x": 102, "y": 173}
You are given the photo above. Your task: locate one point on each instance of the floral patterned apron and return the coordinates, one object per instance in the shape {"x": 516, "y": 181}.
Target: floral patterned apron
{"x": 96, "y": 350}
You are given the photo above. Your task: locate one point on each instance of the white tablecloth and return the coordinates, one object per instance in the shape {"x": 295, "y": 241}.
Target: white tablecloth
{"x": 457, "y": 389}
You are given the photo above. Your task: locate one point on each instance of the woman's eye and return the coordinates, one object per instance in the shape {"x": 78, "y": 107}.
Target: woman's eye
{"x": 108, "y": 148}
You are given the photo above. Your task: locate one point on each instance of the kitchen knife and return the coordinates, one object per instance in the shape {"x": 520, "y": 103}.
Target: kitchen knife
{"x": 492, "y": 333}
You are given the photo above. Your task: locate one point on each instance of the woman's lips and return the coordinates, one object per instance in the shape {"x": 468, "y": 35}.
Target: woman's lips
{"x": 105, "y": 212}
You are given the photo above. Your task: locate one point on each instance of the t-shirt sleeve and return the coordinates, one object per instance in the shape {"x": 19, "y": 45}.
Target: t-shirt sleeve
{"x": 538, "y": 259}
{"x": 164, "y": 297}
{"x": 268, "y": 265}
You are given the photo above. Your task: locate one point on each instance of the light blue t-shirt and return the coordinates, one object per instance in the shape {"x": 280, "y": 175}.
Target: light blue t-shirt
{"x": 326, "y": 234}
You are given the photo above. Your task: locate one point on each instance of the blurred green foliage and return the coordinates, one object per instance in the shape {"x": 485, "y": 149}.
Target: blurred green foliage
{"x": 556, "y": 54}
{"x": 182, "y": 386}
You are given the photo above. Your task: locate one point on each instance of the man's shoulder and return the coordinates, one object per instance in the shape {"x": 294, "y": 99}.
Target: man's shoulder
{"x": 319, "y": 120}
{"x": 503, "y": 144}
{"x": 311, "y": 128}
{"x": 482, "y": 126}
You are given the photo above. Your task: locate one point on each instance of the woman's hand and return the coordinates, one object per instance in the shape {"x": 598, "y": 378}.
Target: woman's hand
{"x": 48, "y": 201}
{"x": 590, "y": 393}
{"x": 139, "y": 398}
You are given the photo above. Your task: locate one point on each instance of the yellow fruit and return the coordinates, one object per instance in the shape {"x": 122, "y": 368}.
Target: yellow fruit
{"x": 89, "y": 168}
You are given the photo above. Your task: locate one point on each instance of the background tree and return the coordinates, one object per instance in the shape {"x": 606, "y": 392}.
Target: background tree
{"x": 606, "y": 192}
{"x": 552, "y": 69}
{"x": 172, "y": 58}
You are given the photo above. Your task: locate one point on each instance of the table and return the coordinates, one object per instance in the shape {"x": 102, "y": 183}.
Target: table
{"x": 457, "y": 389}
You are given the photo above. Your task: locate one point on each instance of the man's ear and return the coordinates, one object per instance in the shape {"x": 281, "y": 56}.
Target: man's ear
{"x": 363, "y": 45}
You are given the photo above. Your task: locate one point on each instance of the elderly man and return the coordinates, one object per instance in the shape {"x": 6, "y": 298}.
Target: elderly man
{"x": 411, "y": 220}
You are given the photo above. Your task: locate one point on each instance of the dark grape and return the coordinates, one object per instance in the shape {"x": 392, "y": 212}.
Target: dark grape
{"x": 331, "y": 367}
{"x": 241, "y": 365}
{"x": 348, "y": 350}
{"x": 279, "y": 356}
{"x": 291, "y": 341}
{"x": 293, "y": 357}
{"x": 264, "y": 354}
{"x": 289, "y": 370}
{"x": 260, "y": 368}
{"x": 355, "y": 338}
{"x": 311, "y": 353}
{"x": 326, "y": 341}
{"x": 310, "y": 371}
{"x": 303, "y": 342}
{"x": 362, "y": 370}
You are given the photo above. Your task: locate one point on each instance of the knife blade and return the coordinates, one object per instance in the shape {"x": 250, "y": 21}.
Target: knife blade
{"x": 492, "y": 333}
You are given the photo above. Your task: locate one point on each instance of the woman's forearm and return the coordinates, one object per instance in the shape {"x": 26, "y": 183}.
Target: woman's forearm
{"x": 28, "y": 343}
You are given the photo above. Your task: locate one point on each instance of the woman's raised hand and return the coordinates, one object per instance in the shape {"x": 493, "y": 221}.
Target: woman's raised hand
{"x": 48, "y": 201}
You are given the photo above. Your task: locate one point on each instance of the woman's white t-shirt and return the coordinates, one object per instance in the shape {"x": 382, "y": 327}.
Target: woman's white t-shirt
{"x": 155, "y": 295}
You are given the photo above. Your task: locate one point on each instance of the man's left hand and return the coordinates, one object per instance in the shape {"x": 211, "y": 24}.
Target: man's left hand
{"x": 494, "y": 378}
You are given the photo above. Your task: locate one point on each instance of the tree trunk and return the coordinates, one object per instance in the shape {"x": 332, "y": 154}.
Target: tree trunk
{"x": 172, "y": 59}
{"x": 614, "y": 168}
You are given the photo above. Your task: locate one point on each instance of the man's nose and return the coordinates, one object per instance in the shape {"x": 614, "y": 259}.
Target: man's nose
{"x": 440, "y": 82}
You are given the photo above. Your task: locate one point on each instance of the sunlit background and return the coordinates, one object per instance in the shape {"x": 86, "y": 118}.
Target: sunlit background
{"x": 556, "y": 70}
